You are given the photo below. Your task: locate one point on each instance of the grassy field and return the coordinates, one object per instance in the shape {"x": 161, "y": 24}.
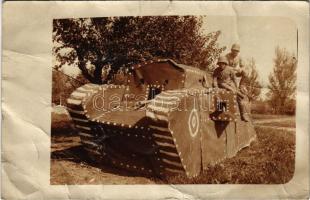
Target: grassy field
{"x": 268, "y": 160}
{"x": 288, "y": 123}
{"x": 267, "y": 116}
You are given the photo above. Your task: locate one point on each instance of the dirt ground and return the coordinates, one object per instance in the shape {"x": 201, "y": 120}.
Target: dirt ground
{"x": 70, "y": 165}
{"x": 270, "y": 159}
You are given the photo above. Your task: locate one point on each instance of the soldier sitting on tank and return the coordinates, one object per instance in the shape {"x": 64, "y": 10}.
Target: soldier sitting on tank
{"x": 224, "y": 77}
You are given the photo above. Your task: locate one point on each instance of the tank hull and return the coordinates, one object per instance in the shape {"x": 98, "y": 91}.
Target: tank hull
{"x": 174, "y": 133}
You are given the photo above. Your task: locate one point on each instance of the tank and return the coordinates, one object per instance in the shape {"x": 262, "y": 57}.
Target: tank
{"x": 160, "y": 119}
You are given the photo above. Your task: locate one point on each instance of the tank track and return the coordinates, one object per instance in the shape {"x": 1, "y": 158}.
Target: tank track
{"x": 84, "y": 126}
{"x": 91, "y": 132}
{"x": 168, "y": 158}
{"x": 169, "y": 154}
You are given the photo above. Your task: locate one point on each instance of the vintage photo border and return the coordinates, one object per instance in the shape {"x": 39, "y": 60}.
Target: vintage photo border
{"x": 26, "y": 172}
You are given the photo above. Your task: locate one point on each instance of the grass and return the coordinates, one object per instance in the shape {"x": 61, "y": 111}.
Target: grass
{"x": 269, "y": 160}
{"x": 289, "y": 123}
{"x": 268, "y": 116}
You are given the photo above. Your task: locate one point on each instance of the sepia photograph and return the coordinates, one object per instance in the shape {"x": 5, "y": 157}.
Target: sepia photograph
{"x": 178, "y": 99}
{"x": 155, "y": 100}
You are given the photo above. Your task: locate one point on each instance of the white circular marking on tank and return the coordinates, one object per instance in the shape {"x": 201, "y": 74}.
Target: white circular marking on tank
{"x": 193, "y": 122}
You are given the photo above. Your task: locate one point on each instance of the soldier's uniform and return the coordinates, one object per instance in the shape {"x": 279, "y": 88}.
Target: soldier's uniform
{"x": 243, "y": 89}
{"x": 235, "y": 61}
{"x": 226, "y": 78}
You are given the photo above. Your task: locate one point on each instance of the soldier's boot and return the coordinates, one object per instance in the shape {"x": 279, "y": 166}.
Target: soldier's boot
{"x": 243, "y": 112}
{"x": 245, "y": 117}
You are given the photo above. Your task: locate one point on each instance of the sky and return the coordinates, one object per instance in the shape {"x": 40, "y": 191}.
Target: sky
{"x": 257, "y": 36}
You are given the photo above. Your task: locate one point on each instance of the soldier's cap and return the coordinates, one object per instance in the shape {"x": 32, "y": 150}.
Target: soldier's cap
{"x": 235, "y": 47}
{"x": 222, "y": 59}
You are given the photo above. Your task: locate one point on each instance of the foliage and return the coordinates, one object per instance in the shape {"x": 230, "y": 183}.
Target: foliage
{"x": 120, "y": 42}
{"x": 260, "y": 107}
{"x": 63, "y": 86}
{"x": 282, "y": 82}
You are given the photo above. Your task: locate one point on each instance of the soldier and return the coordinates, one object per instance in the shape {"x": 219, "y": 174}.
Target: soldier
{"x": 224, "y": 77}
{"x": 234, "y": 59}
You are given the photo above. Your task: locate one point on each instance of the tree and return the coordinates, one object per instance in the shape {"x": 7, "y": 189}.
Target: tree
{"x": 282, "y": 81}
{"x": 63, "y": 85}
{"x": 250, "y": 80}
{"x": 120, "y": 42}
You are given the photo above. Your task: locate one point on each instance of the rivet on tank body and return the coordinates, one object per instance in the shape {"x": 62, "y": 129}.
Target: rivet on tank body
{"x": 127, "y": 166}
{"x": 128, "y": 134}
{"x": 143, "y": 136}
{"x": 136, "y": 135}
{"x": 136, "y": 127}
{"x": 134, "y": 167}
{"x": 122, "y": 125}
{"x": 129, "y": 126}
{"x": 122, "y": 164}
{"x": 108, "y": 122}
{"x": 114, "y": 124}
{"x": 184, "y": 166}
{"x": 142, "y": 127}
{"x": 142, "y": 168}
{"x": 150, "y": 171}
